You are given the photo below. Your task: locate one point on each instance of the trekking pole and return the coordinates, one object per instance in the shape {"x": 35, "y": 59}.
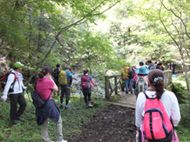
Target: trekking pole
{"x": 28, "y": 96}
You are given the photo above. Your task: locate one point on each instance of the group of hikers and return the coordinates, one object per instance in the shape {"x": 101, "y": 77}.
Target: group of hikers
{"x": 157, "y": 109}
{"x": 49, "y": 81}
{"x": 136, "y": 78}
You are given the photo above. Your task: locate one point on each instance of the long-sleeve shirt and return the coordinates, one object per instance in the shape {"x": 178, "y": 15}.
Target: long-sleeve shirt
{"x": 169, "y": 101}
{"x": 18, "y": 85}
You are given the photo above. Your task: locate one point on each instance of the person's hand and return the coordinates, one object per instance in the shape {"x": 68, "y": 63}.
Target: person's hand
{"x": 25, "y": 88}
{"x": 4, "y": 98}
{"x": 137, "y": 136}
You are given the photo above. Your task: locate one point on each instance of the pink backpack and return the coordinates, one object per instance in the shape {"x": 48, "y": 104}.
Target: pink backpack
{"x": 157, "y": 125}
{"x": 86, "y": 82}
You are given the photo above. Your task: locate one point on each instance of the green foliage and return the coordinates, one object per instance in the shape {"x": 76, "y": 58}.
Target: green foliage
{"x": 185, "y": 111}
{"x": 180, "y": 92}
{"x": 28, "y": 130}
{"x": 114, "y": 98}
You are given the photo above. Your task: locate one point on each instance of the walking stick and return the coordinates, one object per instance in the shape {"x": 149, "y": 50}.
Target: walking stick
{"x": 28, "y": 96}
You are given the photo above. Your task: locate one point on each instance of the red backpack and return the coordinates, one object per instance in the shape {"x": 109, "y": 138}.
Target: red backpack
{"x": 86, "y": 82}
{"x": 4, "y": 81}
{"x": 157, "y": 125}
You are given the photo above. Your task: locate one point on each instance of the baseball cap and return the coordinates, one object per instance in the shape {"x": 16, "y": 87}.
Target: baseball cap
{"x": 18, "y": 65}
{"x": 141, "y": 63}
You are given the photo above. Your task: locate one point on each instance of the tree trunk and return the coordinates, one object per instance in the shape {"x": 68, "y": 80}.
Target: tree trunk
{"x": 181, "y": 53}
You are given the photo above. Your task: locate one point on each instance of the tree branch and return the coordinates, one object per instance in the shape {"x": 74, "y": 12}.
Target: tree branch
{"x": 166, "y": 28}
{"x": 177, "y": 17}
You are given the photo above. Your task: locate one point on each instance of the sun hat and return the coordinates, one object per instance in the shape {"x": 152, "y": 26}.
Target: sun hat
{"x": 18, "y": 65}
{"x": 142, "y": 70}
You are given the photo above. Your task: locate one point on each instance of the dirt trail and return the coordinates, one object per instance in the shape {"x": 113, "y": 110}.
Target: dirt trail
{"x": 112, "y": 124}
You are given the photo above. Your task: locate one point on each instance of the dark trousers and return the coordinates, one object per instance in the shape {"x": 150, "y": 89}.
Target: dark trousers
{"x": 65, "y": 90}
{"x": 173, "y": 71}
{"x": 87, "y": 97}
{"x": 14, "y": 99}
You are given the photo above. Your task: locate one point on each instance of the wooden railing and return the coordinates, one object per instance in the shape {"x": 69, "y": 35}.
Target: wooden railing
{"x": 108, "y": 86}
{"x": 117, "y": 80}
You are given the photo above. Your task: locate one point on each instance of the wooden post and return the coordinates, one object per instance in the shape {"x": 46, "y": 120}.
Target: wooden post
{"x": 116, "y": 85}
{"x": 107, "y": 87}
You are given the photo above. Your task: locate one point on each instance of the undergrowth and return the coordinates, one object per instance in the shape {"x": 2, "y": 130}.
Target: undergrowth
{"x": 29, "y": 131}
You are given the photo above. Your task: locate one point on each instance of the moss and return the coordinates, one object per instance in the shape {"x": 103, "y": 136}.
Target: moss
{"x": 114, "y": 98}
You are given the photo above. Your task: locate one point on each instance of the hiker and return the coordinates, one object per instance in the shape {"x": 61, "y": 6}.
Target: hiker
{"x": 149, "y": 64}
{"x": 160, "y": 66}
{"x": 141, "y": 80}
{"x": 56, "y": 77}
{"x": 167, "y": 103}
{"x": 65, "y": 75}
{"x": 172, "y": 67}
{"x": 86, "y": 81}
{"x": 154, "y": 65}
{"x": 44, "y": 87}
{"x": 127, "y": 75}
{"x": 14, "y": 86}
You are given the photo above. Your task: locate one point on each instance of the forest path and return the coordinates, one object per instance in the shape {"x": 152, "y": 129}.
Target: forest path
{"x": 127, "y": 100}
{"x": 112, "y": 124}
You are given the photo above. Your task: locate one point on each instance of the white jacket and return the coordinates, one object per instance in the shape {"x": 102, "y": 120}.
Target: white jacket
{"x": 169, "y": 101}
{"x": 18, "y": 85}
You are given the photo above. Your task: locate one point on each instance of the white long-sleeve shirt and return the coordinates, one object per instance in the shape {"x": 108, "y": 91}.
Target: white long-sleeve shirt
{"x": 169, "y": 101}
{"x": 18, "y": 86}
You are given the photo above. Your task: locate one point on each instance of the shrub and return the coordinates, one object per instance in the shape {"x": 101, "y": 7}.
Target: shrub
{"x": 185, "y": 111}
{"x": 179, "y": 91}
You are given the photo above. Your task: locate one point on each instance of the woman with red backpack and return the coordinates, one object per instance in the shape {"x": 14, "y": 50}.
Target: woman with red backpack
{"x": 157, "y": 111}
{"x": 86, "y": 81}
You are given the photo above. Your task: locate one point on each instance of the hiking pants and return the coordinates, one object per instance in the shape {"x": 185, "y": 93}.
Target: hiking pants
{"x": 44, "y": 130}
{"x": 58, "y": 86}
{"x": 129, "y": 82}
{"x": 65, "y": 90}
{"x": 14, "y": 99}
{"x": 87, "y": 97}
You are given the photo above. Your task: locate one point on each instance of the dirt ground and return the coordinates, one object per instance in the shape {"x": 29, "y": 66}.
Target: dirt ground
{"x": 112, "y": 124}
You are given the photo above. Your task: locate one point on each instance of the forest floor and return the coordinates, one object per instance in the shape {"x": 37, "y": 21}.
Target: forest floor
{"x": 112, "y": 124}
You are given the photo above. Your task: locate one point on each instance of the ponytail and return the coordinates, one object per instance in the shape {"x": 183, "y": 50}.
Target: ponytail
{"x": 85, "y": 71}
{"x": 156, "y": 78}
{"x": 45, "y": 71}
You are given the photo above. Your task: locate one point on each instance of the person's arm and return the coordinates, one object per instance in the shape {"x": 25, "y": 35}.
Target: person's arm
{"x": 10, "y": 80}
{"x": 93, "y": 82}
{"x": 22, "y": 85}
{"x": 55, "y": 88}
{"x": 71, "y": 80}
{"x": 175, "y": 115}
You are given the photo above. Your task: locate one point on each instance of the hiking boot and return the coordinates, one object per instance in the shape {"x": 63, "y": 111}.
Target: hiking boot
{"x": 67, "y": 107}
{"x": 62, "y": 141}
{"x": 61, "y": 106}
{"x": 126, "y": 92}
{"x": 90, "y": 105}
{"x": 16, "y": 121}
{"x": 20, "y": 119}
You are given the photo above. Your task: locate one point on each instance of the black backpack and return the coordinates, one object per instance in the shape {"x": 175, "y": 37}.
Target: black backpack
{"x": 38, "y": 102}
{"x": 4, "y": 79}
{"x": 56, "y": 73}
{"x": 131, "y": 74}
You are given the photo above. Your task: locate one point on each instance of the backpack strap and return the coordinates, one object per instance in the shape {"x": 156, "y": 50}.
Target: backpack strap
{"x": 146, "y": 95}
